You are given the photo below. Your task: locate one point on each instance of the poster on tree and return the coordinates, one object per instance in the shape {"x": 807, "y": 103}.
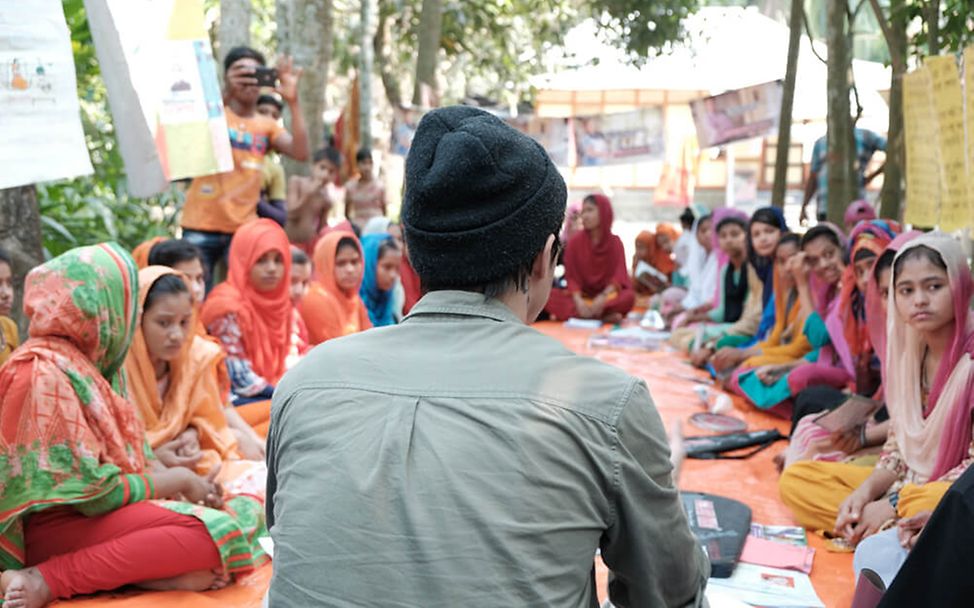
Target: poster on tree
{"x": 39, "y": 109}
{"x": 162, "y": 85}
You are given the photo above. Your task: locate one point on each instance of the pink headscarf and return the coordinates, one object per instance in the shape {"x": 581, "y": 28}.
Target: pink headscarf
{"x": 936, "y": 438}
{"x": 875, "y": 312}
{"x": 824, "y": 294}
{"x": 858, "y": 211}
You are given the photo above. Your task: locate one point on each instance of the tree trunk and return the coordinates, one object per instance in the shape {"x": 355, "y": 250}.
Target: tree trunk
{"x": 309, "y": 26}
{"x": 383, "y": 54}
{"x": 787, "y": 103}
{"x": 932, "y": 17}
{"x": 430, "y": 29}
{"x": 20, "y": 235}
{"x": 891, "y": 197}
{"x": 365, "y": 74}
{"x": 234, "y": 25}
{"x": 843, "y": 186}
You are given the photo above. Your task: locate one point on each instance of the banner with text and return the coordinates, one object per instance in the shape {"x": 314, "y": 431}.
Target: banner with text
{"x": 737, "y": 115}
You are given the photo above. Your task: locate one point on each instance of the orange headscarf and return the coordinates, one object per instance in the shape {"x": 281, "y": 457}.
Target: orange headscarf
{"x": 656, "y": 256}
{"x": 264, "y": 317}
{"x": 141, "y": 252}
{"x": 198, "y": 389}
{"x": 329, "y": 311}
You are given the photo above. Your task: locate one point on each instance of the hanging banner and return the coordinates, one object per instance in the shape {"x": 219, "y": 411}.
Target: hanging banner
{"x": 948, "y": 103}
{"x": 622, "y": 138}
{"x": 737, "y": 115}
{"x": 923, "y": 186}
{"x": 39, "y": 113}
{"x": 163, "y": 89}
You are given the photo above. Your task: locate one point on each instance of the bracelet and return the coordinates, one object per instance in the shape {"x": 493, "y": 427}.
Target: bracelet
{"x": 862, "y": 436}
{"x": 894, "y": 499}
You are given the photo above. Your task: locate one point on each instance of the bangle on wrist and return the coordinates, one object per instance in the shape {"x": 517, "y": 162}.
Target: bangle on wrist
{"x": 862, "y": 436}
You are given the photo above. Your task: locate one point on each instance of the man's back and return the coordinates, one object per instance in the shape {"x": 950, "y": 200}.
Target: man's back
{"x": 463, "y": 459}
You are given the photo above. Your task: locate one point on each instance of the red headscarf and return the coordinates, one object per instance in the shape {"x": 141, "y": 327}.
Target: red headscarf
{"x": 591, "y": 267}
{"x": 264, "y": 317}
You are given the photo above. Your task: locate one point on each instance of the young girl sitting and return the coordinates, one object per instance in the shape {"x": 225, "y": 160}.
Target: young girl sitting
{"x": 929, "y": 394}
{"x": 88, "y": 508}
{"x": 300, "y": 281}
{"x": 383, "y": 259}
{"x": 653, "y": 264}
{"x": 332, "y": 308}
{"x": 737, "y": 309}
{"x": 178, "y": 381}
{"x": 250, "y": 314}
{"x": 595, "y": 268}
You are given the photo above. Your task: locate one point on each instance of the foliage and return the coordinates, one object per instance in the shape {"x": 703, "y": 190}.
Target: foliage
{"x": 956, "y": 26}
{"x": 98, "y": 207}
{"x": 643, "y": 28}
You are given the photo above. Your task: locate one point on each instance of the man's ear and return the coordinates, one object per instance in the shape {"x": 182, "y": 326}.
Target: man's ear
{"x": 543, "y": 262}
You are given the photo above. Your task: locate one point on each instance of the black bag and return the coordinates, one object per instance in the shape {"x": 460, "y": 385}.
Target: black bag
{"x": 713, "y": 446}
{"x": 720, "y": 525}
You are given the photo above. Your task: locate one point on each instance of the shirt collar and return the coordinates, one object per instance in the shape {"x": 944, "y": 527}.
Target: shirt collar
{"x": 462, "y": 303}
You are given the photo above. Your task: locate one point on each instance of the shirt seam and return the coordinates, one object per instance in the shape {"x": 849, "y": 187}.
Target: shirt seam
{"x": 610, "y": 420}
{"x": 616, "y": 463}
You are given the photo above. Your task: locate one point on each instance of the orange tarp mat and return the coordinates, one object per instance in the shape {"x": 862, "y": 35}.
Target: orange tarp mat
{"x": 753, "y": 481}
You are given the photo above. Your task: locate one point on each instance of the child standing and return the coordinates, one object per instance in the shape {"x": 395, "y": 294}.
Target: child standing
{"x": 365, "y": 197}
{"x": 310, "y": 199}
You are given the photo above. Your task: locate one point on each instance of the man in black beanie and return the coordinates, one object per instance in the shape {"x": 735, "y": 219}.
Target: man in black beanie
{"x": 462, "y": 458}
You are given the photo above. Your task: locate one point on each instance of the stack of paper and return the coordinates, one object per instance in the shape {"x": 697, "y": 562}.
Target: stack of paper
{"x": 763, "y": 586}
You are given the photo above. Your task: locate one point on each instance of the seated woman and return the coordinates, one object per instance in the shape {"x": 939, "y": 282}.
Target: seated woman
{"x": 700, "y": 273}
{"x": 383, "y": 259}
{"x": 178, "y": 381}
{"x": 78, "y": 514}
{"x": 817, "y": 271}
{"x": 785, "y": 341}
{"x": 301, "y": 272}
{"x": 737, "y": 304}
{"x": 595, "y": 269}
{"x": 809, "y": 441}
{"x": 250, "y": 314}
{"x": 332, "y": 307}
{"x": 929, "y": 394}
{"x": 653, "y": 264}
{"x": 9, "y": 336}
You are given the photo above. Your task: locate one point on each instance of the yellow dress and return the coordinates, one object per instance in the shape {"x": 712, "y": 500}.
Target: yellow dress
{"x": 9, "y": 339}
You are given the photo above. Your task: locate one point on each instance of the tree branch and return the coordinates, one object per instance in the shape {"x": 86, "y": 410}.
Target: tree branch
{"x": 811, "y": 40}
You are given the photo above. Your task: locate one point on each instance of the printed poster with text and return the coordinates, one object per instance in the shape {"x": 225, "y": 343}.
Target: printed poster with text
{"x": 955, "y": 212}
{"x": 163, "y": 89}
{"x": 923, "y": 191}
{"x": 39, "y": 113}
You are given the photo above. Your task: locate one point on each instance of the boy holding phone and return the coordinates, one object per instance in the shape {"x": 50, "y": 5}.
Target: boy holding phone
{"x": 216, "y": 205}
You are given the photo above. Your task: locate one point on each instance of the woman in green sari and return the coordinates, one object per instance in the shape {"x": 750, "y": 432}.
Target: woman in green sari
{"x": 84, "y": 505}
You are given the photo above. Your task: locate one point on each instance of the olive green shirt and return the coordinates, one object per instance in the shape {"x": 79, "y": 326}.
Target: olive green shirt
{"x": 464, "y": 459}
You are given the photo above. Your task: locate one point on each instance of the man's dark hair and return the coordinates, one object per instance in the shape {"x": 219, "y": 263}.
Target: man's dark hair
{"x": 5, "y": 258}
{"x": 270, "y": 100}
{"x": 242, "y": 52}
{"x": 518, "y": 278}
{"x": 172, "y": 252}
{"x": 331, "y": 154}
{"x": 363, "y": 154}
{"x": 687, "y": 218}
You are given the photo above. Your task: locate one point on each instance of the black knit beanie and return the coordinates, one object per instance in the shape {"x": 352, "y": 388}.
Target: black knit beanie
{"x": 481, "y": 198}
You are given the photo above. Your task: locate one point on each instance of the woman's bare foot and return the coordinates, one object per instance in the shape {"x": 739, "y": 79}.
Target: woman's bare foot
{"x": 24, "y": 589}
{"x": 200, "y": 580}
{"x": 221, "y": 580}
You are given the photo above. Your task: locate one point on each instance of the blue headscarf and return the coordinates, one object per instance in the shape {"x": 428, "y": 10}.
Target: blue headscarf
{"x": 378, "y": 302}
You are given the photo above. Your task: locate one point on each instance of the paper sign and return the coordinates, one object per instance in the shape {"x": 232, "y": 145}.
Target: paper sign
{"x": 738, "y": 115}
{"x": 923, "y": 182}
{"x": 39, "y": 113}
{"x": 163, "y": 87}
{"x": 969, "y": 125}
{"x": 955, "y": 212}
